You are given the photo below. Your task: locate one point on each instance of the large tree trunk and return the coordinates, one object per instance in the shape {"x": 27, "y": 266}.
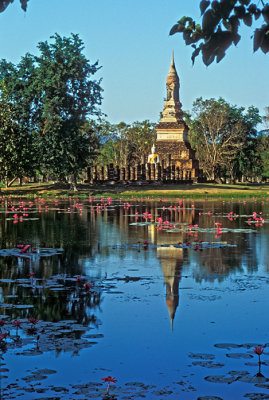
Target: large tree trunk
{"x": 73, "y": 186}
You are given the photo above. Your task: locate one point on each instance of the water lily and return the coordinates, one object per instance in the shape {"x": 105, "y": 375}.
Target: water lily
{"x": 33, "y": 321}
{"x": 109, "y": 380}
{"x": 258, "y": 351}
{"x": 17, "y": 323}
{"x": 25, "y": 248}
{"x": 87, "y": 286}
{"x": 2, "y": 337}
{"x": 2, "y": 323}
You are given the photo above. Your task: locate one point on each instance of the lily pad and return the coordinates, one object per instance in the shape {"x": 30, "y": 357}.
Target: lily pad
{"x": 239, "y": 355}
{"x": 209, "y": 398}
{"x": 220, "y": 379}
{"x": 208, "y": 364}
{"x": 201, "y": 356}
{"x": 257, "y": 396}
{"x": 227, "y": 346}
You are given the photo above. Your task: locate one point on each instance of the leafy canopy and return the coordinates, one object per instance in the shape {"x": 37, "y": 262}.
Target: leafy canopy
{"x": 221, "y": 20}
{"x": 68, "y": 96}
{"x": 124, "y": 144}
{"x": 46, "y": 102}
{"x": 221, "y": 134}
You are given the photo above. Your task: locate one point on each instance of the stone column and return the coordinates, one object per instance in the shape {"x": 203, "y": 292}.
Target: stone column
{"x": 102, "y": 177}
{"x": 106, "y": 172}
{"x": 122, "y": 174}
{"x": 168, "y": 160}
{"x": 132, "y": 173}
{"x": 94, "y": 173}
{"x": 117, "y": 173}
{"x": 173, "y": 173}
{"x": 143, "y": 172}
{"x": 135, "y": 173}
{"x": 127, "y": 173}
{"x": 177, "y": 174}
{"x": 111, "y": 172}
{"x": 138, "y": 172}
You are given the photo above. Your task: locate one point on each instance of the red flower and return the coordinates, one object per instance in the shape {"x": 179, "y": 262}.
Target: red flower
{"x": 258, "y": 350}
{"x": 31, "y": 274}
{"x": 33, "y": 321}
{"x": 87, "y": 286}
{"x": 109, "y": 379}
{"x": 2, "y": 322}
{"x": 78, "y": 278}
{"x": 3, "y": 336}
{"x": 17, "y": 323}
{"x": 146, "y": 243}
{"x": 26, "y": 248}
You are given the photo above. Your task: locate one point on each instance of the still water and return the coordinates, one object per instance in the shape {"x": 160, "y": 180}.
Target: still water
{"x": 169, "y": 297}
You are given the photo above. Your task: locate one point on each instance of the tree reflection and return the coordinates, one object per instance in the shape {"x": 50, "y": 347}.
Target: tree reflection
{"x": 84, "y": 236}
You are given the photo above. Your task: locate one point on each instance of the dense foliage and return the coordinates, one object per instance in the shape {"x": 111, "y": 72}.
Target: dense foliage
{"x": 225, "y": 139}
{"x": 124, "y": 144}
{"x": 48, "y": 99}
{"x": 220, "y": 27}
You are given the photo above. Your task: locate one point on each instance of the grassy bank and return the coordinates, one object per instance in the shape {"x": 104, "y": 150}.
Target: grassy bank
{"x": 195, "y": 191}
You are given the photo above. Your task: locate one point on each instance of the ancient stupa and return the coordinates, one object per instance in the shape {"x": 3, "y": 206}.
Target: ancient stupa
{"x": 172, "y": 131}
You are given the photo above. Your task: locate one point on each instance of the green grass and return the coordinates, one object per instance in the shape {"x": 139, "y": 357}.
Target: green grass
{"x": 195, "y": 191}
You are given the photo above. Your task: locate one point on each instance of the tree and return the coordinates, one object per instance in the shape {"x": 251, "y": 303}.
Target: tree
{"x": 67, "y": 97}
{"x": 19, "y": 98}
{"x": 5, "y": 3}
{"x": 263, "y": 149}
{"x": 220, "y": 27}
{"x": 123, "y": 143}
{"x": 266, "y": 117}
{"x": 220, "y": 133}
{"x": 8, "y": 134}
{"x": 49, "y": 99}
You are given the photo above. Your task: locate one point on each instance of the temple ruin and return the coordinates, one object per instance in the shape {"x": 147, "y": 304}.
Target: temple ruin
{"x": 172, "y": 143}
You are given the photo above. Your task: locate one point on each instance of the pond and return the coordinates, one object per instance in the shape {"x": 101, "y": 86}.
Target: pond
{"x": 169, "y": 297}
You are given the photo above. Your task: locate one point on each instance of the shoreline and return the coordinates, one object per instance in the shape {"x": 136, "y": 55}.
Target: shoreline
{"x": 188, "y": 191}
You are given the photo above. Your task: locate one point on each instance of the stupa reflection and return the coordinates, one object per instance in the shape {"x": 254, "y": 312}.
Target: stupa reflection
{"x": 171, "y": 261}
{"x": 172, "y": 258}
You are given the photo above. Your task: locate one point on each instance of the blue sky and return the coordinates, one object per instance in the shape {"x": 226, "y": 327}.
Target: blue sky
{"x": 130, "y": 38}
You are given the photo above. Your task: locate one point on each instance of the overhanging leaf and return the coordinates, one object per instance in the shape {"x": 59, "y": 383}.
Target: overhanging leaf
{"x": 210, "y": 21}
{"x": 258, "y": 37}
{"x": 247, "y": 19}
{"x": 203, "y": 5}
{"x": 195, "y": 54}
{"x": 265, "y": 13}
